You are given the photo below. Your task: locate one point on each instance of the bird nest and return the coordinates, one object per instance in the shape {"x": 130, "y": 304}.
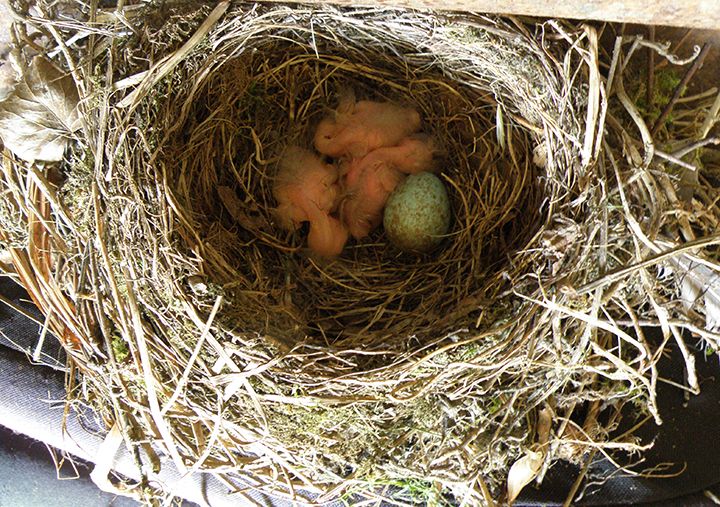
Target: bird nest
{"x": 201, "y": 327}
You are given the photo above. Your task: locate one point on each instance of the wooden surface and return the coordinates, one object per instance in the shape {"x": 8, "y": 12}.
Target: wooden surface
{"x": 689, "y": 13}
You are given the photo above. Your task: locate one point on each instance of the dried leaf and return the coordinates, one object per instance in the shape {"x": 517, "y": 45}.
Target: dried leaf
{"x": 544, "y": 425}
{"x": 699, "y": 282}
{"x": 522, "y": 472}
{"x": 236, "y": 208}
{"x": 6, "y": 261}
{"x": 632, "y": 154}
{"x": 687, "y": 183}
{"x": 8, "y": 80}
{"x": 38, "y": 118}
{"x": 197, "y": 284}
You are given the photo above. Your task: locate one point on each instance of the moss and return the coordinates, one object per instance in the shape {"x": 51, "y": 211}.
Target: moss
{"x": 407, "y": 490}
{"x": 418, "y": 491}
{"x": 120, "y": 349}
{"x": 666, "y": 81}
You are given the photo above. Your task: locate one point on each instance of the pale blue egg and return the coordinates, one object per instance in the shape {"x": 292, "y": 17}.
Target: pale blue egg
{"x": 417, "y": 213}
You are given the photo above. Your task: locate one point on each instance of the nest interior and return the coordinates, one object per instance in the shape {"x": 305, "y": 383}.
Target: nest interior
{"x": 235, "y": 351}
{"x": 256, "y": 96}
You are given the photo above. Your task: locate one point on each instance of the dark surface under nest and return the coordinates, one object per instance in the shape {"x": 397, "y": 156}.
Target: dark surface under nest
{"x": 234, "y": 350}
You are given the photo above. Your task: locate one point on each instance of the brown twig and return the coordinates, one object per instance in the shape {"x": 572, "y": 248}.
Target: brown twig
{"x": 650, "y": 90}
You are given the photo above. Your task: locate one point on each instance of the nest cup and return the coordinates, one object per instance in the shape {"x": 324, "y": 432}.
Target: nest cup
{"x": 335, "y": 375}
{"x": 269, "y": 91}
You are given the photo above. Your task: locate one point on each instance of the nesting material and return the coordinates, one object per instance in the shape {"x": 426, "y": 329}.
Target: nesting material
{"x": 202, "y": 329}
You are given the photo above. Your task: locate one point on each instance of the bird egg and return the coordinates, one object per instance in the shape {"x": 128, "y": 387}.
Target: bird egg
{"x": 417, "y": 213}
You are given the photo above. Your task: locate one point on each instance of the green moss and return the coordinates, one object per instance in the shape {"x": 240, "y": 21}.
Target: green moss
{"x": 666, "y": 81}
{"x": 409, "y": 490}
{"x": 496, "y": 404}
{"x": 420, "y": 491}
{"x": 120, "y": 349}
{"x": 469, "y": 352}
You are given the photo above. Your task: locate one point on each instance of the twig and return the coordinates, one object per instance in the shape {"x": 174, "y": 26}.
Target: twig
{"x": 675, "y": 160}
{"x": 20, "y": 310}
{"x": 655, "y": 259}
{"x": 694, "y": 146}
{"x": 712, "y": 496}
{"x": 663, "y": 49}
{"x": 165, "y": 66}
{"x": 578, "y": 480}
{"x": 632, "y": 110}
{"x": 712, "y": 117}
{"x": 650, "y": 91}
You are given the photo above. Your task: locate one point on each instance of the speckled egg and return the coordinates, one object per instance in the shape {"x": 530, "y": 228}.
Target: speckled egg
{"x": 417, "y": 213}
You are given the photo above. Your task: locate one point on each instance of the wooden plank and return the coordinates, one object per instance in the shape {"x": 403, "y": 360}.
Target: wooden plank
{"x": 687, "y": 13}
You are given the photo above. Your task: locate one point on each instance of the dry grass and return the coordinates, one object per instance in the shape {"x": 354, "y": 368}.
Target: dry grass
{"x": 201, "y": 327}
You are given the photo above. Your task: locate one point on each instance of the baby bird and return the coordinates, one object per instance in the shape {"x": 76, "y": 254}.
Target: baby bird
{"x": 414, "y": 154}
{"x": 307, "y": 190}
{"x": 327, "y": 236}
{"x": 369, "y": 181}
{"x": 304, "y": 184}
{"x": 358, "y": 128}
{"x": 368, "y": 184}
